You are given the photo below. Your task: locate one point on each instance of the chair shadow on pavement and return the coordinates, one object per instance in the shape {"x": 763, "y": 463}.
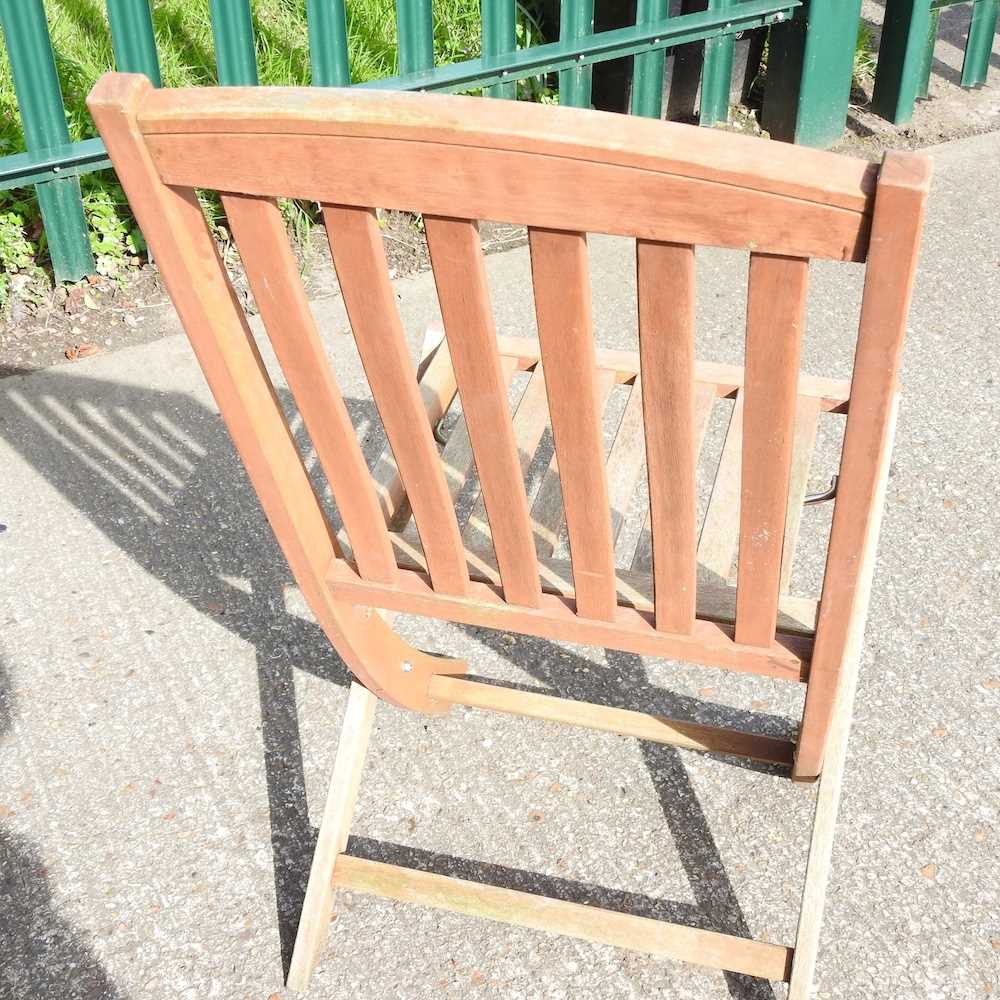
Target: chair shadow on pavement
{"x": 43, "y": 955}
{"x": 157, "y": 474}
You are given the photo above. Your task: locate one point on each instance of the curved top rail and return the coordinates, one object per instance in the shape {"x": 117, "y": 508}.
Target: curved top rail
{"x": 556, "y": 167}
{"x": 669, "y": 147}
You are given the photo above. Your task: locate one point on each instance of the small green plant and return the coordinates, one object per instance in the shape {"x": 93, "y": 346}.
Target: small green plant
{"x": 865, "y": 56}
{"x": 17, "y": 252}
{"x": 114, "y": 235}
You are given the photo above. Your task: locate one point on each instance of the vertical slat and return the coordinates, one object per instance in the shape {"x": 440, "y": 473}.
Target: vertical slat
{"x": 547, "y": 512}
{"x": 806, "y": 418}
{"x": 273, "y": 274}
{"x": 562, "y": 307}
{"x": 979, "y": 44}
{"x": 328, "y": 50}
{"x": 775, "y": 317}
{"x": 359, "y": 259}
{"x": 900, "y": 201}
{"x": 499, "y": 39}
{"x": 43, "y": 117}
{"x": 576, "y": 20}
{"x": 716, "y": 73}
{"x": 132, "y": 38}
{"x": 647, "y": 67}
{"x": 235, "y": 51}
{"x": 415, "y": 35}
{"x": 460, "y": 278}
{"x": 665, "y": 276}
{"x": 338, "y": 812}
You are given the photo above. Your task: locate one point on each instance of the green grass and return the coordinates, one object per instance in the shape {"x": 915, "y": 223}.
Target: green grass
{"x": 82, "y": 44}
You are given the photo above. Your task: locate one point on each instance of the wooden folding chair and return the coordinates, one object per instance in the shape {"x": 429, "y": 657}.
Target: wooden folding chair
{"x": 563, "y": 173}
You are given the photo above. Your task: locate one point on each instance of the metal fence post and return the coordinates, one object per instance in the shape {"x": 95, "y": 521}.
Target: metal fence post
{"x": 716, "y": 74}
{"x": 500, "y": 38}
{"x": 902, "y": 57}
{"x": 415, "y": 35}
{"x": 235, "y": 52}
{"x": 928, "y": 61}
{"x": 132, "y": 38}
{"x": 647, "y": 68}
{"x": 576, "y": 20}
{"x": 810, "y": 66}
{"x": 328, "y": 51}
{"x": 43, "y": 116}
{"x": 979, "y": 46}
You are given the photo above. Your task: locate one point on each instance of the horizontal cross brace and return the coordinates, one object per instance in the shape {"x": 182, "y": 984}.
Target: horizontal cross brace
{"x": 711, "y": 644}
{"x": 591, "y": 923}
{"x": 642, "y": 725}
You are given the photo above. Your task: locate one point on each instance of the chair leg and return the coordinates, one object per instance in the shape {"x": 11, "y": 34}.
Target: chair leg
{"x": 825, "y": 823}
{"x": 333, "y": 832}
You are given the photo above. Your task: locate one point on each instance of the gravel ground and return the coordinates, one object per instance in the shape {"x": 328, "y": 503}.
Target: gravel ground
{"x": 168, "y": 710}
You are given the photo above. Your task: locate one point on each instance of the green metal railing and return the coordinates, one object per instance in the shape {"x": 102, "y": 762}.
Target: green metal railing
{"x": 809, "y": 73}
{"x": 906, "y": 52}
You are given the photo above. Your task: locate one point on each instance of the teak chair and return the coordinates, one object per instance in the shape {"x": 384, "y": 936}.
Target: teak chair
{"x": 562, "y": 173}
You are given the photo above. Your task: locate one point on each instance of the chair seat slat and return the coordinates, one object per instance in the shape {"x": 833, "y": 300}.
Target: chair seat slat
{"x": 359, "y": 258}
{"x": 806, "y": 421}
{"x": 437, "y": 388}
{"x": 775, "y": 319}
{"x": 704, "y": 400}
{"x": 562, "y": 307}
{"x": 548, "y": 515}
{"x": 626, "y": 459}
{"x": 715, "y": 601}
{"x": 457, "y": 456}
{"x": 531, "y": 417}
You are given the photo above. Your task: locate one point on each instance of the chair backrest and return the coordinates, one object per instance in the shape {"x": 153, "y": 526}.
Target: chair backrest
{"x": 563, "y": 173}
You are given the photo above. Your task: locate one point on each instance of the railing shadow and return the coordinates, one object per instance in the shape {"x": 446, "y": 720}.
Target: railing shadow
{"x": 157, "y": 474}
{"x": 43, "y": 954}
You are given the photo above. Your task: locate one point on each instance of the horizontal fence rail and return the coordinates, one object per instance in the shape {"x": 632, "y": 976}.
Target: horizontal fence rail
{"x": 810, "y": 63}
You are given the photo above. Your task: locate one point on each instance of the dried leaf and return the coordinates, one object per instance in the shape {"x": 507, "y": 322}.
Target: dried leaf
{"x": 76, "y": 351}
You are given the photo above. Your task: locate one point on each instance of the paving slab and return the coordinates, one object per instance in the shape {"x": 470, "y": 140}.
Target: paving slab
{"x": 169, "y": 710}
